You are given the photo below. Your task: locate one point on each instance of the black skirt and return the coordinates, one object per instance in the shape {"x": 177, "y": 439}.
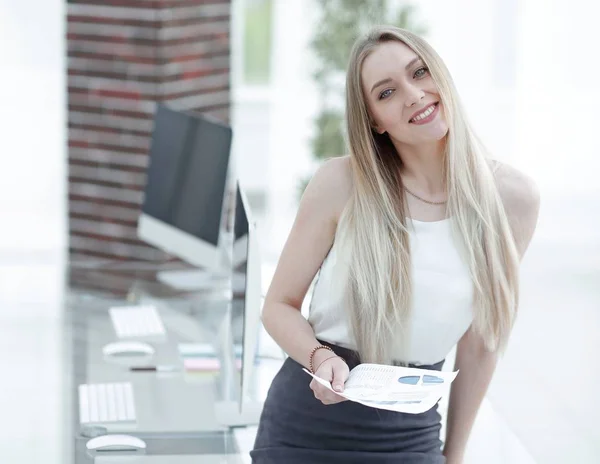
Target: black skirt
{"x": 296, "y": 428}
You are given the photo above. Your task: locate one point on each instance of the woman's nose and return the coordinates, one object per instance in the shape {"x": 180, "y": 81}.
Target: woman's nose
{"x": 414, "y": 96}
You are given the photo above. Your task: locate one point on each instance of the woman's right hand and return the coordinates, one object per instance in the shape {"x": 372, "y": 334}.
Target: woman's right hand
{"x": 333, "y": 369}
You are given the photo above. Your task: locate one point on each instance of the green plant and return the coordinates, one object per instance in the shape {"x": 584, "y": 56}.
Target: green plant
{"x": 340, "y": 23}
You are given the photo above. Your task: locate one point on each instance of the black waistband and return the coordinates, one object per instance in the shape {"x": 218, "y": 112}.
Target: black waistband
{"x": 353, "y": 359}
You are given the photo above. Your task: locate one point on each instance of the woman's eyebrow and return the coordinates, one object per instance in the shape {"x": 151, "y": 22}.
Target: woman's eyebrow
{"x": 381, "y": 82}
{"x": 388, "y": 80}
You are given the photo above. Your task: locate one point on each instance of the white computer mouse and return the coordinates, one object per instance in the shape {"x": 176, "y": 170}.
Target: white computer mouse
{"x": 128, "y": 349}
{"x": 115, "y": 443}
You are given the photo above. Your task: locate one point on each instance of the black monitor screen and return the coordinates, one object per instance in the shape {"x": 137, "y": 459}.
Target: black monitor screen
{"x": 169, "y": 152}
{"x": 240, "y": 225}
{"x": 187, "y": 175}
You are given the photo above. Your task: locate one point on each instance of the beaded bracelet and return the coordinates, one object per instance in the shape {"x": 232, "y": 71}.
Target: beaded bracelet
{"x": 312, "y": 354}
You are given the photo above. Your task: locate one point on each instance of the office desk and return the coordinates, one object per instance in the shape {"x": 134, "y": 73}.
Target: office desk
{"x": 175, "y": 411}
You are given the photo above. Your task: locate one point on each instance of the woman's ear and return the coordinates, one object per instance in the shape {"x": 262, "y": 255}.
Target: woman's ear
{"x": 377, "y": 129}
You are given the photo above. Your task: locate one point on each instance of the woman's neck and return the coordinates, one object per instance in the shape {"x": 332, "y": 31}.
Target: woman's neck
{"x": 423, "y": 167}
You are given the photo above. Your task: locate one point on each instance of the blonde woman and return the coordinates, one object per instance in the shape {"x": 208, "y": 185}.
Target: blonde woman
{"x": 417, "y": 237}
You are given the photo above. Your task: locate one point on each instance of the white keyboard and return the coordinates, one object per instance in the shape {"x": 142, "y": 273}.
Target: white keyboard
{"x": 137, "y": 321}
{"x": 101, "y": 403}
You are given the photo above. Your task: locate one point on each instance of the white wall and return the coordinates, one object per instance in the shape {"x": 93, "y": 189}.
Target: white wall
{"x": 559, "y": 94}
{"x": 33, "y": 231}
{"x": 32, "y": 124}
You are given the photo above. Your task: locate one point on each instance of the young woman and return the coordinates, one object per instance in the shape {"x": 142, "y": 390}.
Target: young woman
{"x": 417, "y": 237}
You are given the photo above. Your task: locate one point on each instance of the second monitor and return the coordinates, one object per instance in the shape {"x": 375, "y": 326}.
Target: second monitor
{"x": 245, "y": 318}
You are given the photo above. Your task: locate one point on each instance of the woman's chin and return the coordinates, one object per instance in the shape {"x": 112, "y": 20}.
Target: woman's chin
{"x": 439, "y": 131}
{"x": 435, "y": 134}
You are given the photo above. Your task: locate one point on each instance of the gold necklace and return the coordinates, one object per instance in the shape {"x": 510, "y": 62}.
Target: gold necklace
{"x": 424, "y": 200}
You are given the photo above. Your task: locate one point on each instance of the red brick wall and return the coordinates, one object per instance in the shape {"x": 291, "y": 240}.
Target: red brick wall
{"x": 124, "y": 56}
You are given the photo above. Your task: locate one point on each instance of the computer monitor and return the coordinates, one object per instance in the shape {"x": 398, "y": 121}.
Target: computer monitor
{"x": 245, "y": 315}
{"x": 185, "y": 194}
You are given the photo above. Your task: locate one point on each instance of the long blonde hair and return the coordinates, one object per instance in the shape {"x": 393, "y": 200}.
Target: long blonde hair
{"x": 373, "y": 224}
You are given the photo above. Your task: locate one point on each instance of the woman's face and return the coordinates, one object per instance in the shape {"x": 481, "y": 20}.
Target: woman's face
{"x": 401, "y": 95}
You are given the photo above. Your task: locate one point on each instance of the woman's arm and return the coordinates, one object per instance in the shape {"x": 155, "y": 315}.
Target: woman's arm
{"x": 308, "y": 243}
{"x": 476, "y": 364}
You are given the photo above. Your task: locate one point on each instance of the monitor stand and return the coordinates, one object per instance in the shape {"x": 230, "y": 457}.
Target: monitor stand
{"x": 228, "y": 413}
{"x": 198, "y": 279}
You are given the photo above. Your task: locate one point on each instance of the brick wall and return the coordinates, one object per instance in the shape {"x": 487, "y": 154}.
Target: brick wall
{"x": 124, "y": 56}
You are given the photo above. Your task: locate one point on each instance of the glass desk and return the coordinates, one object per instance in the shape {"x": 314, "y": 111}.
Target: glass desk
{"x": 176, "y": 410}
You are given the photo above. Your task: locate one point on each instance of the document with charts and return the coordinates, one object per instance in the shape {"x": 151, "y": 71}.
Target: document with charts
{"x": 395, "y": 388}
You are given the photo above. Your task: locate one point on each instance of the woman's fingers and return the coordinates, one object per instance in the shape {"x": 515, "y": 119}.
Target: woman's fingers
{"x": 333, "y": 370}
{"x": 339, "y": 374}
{"x": 325, "y": 395}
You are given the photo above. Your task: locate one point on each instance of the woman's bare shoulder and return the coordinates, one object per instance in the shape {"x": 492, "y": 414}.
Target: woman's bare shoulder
{"x": 334, "y": 177}
{"x": 521, "y": 198}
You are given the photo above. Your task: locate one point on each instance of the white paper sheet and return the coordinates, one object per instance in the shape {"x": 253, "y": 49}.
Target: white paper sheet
{"x": 395, "y": 388}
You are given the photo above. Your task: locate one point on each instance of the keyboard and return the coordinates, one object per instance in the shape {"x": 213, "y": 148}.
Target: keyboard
{"x": 102, "y": 403}
{"x": 137, "y": 321}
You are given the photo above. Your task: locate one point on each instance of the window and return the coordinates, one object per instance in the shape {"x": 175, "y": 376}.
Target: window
{"x": 257, "y": 41}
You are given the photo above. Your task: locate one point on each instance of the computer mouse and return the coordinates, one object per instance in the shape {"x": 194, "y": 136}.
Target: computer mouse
{"x": 128, "y": 349}
{"x": 115, "y": 443}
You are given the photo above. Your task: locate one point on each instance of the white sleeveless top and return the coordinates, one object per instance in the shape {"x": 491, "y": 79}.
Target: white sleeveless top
{"x": 442, "y": 297}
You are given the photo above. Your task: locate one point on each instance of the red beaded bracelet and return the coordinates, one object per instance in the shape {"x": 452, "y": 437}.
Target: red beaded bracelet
{"x": 312, "y": 354}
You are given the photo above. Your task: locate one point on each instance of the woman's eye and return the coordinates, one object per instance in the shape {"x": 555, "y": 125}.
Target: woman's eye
{"x": 421, "y": 72}
{"x": 386, "y": 93}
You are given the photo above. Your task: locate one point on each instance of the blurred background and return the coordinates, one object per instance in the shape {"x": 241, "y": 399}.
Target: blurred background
{"x": 79, "y": 84}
